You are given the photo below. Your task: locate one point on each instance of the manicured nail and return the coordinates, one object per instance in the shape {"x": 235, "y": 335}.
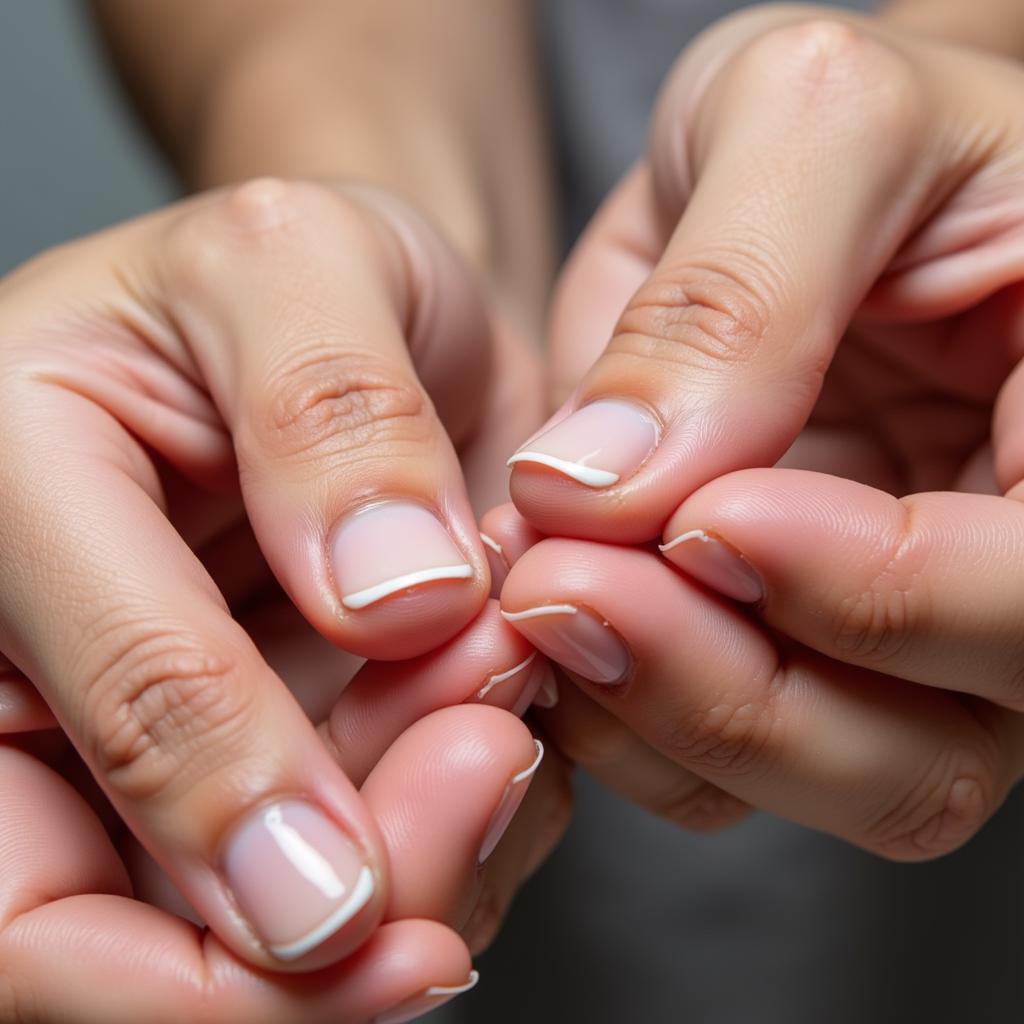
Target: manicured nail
{"x": 547, "y": 694}
{"x": 430, "y": 999}
{"x": 576, "y": 639}
{"x": 500, "y": 677}
{"x": 510, "y": 801}
{"x": 716, "y": 564}
{"x": 597, "y": 445}
{"x": 496, "y": 562}
{"x": 296, "y": 877}
{"x": 390, "y": 547}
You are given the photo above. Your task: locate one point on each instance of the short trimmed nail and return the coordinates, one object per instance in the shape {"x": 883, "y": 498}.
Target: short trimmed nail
{"x": 576, "y": 639}
{"x": 390, "y": 547}
{"x": 597, "y": 445}
{"x": 716, "y": 564}
{"x": 547, "y": 694}
{"x": 510, "y": 801}
{"x": 502, "y": 677}
{"x": 431, "y": 999}
{"x": 496, "y": 562}
{"x": 296, "y": 877}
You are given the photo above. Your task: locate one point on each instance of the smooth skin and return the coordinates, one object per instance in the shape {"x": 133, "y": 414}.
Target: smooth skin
{"x": 816, "y": 269}
{"x": 182, "y": 435}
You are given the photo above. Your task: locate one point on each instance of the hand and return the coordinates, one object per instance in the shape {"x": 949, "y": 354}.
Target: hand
{"x": 296, "y": 340}
{"x": 442, "y": 790}
{"x": 819, "y": 266}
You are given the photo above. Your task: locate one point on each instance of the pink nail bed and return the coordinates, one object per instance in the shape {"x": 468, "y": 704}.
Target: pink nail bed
{"x": 390, "y": 547}
{"x": 296, "y": 876}
{"x": 576, "y": 639}
{"x": 431, "y": 999}
{"x": 598, "y": 445}
{"x": 509, "y": 804}
{"x": 716, "y": 564}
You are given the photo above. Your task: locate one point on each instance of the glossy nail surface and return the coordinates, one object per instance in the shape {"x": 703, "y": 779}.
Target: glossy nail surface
{"x": 598, "y": 445}
{"x": 509, "y": 804}
{"x": 431, "y": 999}
{"x": 296, "y": 876}
{"x": 715, "y": 564}
{"x": 391, "y": 547}
{"x": 576, "y": 639}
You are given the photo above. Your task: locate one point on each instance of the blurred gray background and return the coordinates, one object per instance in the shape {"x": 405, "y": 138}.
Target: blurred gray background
{"x": 633, "y": 921}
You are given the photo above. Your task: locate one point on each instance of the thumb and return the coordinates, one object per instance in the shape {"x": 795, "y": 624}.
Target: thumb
{"x": 718, "y": 357}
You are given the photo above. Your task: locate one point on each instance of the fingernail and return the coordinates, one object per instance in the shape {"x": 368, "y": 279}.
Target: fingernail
{"x": 496, "y": 562}
{"x": 296, "y": 877}
{"x": 510, "y": 801}
{"x": 597, "y": 445}
{"x": 576, "y": 639}
{"x": 547, "y": 695}
{"x": 716, "y": 564}
{"x": 430, "y": 999}
{"x": 501, "y": 677}
{"x": 390, "y": 547}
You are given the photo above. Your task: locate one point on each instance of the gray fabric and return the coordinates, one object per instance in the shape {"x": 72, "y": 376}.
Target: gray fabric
{"x": 632, "y": 921}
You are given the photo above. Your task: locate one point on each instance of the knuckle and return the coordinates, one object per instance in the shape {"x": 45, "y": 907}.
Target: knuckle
{"x": 705, "y": 808}
{"x": 811, "y": 66}
{"x": 155, "y": 704}
{"x": 728, "y": 738}
{"x": 949, "y": 803}
{"x": 266, "y": 216}
{"x": 703, "y": 313}
{"x": 876, "y": 622}
{"x": 327, "y": 403}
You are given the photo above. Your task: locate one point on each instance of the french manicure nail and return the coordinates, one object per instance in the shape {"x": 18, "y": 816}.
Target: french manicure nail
{"x": 576, "y": 639}
{"x": 716, "y": 564}
{"x": 390, "y": 547}
{"x": 296, "y": 876}
{"x": 547, "y": 694}
{"x": 598, "y": 445}
{"x": 496, "y": 562}
{"x": 430, "y": 999}
{"x": 500, "y": 677}
{"x": 510, "y": 801}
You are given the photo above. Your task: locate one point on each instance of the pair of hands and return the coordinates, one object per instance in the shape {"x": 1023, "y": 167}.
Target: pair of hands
{"x": 808, "y": 181}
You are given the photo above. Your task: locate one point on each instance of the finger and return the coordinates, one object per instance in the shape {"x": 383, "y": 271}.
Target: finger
{"x": 489, "y": 662}
{"x": 309, "y": 314}
{"x": 198, "y": 745}
{"x": 925, "y": 587}
{"x": 901, "y": 769}
{"x": 445, "y": 792}
{"x": 22, "y": 709}
{"x": 64, "y": 896}
{"x": 717, "y": 359}
{"x": 534, "y": 832}
{"x": 595, "y": 739}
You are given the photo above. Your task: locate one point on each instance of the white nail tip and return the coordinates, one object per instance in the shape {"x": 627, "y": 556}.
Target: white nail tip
{"x": 492, "y": 544}
{"x": 360, "y": 896}
{"x": 683, "y": 538}
{"x": 536, "y": 613}
{"x": 362, "y": 598}
{"x": 534, "y": 765}
{"x": 453, "y": 990}
{"x": 493, "y": 681}
{"x": 588, "y": 475}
